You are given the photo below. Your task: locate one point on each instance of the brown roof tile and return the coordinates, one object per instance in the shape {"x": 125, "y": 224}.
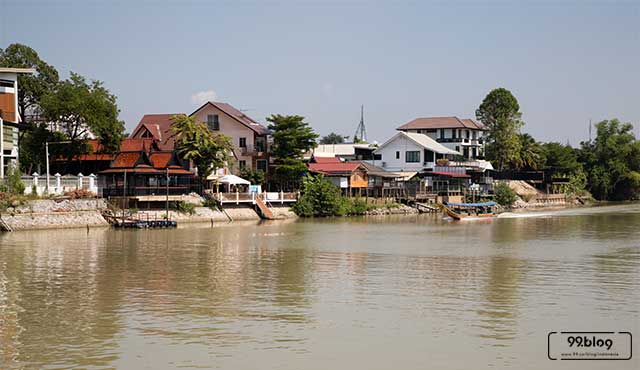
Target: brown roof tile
{"x": 440, "y": 122}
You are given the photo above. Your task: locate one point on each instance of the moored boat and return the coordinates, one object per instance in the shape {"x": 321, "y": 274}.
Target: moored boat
{"x": 459, "y": 211}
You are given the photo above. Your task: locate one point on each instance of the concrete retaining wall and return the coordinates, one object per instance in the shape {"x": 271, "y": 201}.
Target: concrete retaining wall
{"x": 54, "y": 214}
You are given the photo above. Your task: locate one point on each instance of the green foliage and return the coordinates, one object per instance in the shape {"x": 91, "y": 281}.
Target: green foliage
{"x": 332, "y": 138}
{"x": 82, "y": 106}
{"x": 186, "y": 208}
{"x": 560, "y": 158}
{"x": 32, "y": 152}
{"x": 195, "y": 142}
{"x": 31, "y": 87}
{"x": 211, "y": 203}
{"x": 319, "y": 198}
{"x": 504, "y": 195}
{"x": 292, "y": 137}
{"x": 612, "y": 162}
{"x": 500, "y": 112}
{"x": 531, "y": 156}
{"x": 255, "y": 177}
{"x": 13, "y": 181}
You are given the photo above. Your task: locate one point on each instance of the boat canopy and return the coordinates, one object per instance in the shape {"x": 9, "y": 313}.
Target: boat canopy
{"x": 484, "y": 204}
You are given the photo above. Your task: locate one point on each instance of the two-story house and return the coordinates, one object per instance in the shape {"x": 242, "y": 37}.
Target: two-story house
{"x": 9, "y": 116}
{"x": 465, "y": 136}
{"x": 249, "y": 138}
{"x": 409, "y": 151}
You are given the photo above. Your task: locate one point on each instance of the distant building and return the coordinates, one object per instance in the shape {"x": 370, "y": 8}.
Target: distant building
{"x": 9, "y": 116}
{"x": 465, "y": 136}
{"x": 408, "y": 151}
{"x": 348, "y": 152}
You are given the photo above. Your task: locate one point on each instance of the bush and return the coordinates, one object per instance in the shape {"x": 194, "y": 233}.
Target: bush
{"x": 186, "y": 208}
{"x": 504, "y": 195}
{"x": 13, "y": 181}
{"x": 358, "y": 206}
{"x": 80, "y": 194}
{"x": 211, "y": 204}
{"x": 320, "y": 198}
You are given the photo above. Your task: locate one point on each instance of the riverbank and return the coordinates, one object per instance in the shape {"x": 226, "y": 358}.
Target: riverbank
{"x": 54, "y": 214}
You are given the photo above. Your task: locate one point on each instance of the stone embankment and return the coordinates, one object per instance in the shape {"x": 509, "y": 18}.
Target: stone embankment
{"x": 54, "y": 214}
{"x": 399, "y": 209}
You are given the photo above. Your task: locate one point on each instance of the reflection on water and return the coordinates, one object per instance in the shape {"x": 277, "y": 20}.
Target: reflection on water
{"x": 377, "y": 293}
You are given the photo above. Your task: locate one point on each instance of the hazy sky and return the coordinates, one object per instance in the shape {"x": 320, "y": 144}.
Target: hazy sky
{"x": 566, "y": 63}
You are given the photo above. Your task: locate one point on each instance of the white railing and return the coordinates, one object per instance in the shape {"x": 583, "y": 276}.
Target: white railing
{"x": 59, "y": 184}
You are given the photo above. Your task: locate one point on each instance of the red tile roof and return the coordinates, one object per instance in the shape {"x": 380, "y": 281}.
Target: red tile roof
{"x": 159, "y": 125}
{"x": 160, "y": 159}
{"x": 441, "y": 122}
{"x": 334, "y": 168}
{"x": 326, "y": 160}
{"x": 126, "y": 160}
{"x": 237, "y": 115}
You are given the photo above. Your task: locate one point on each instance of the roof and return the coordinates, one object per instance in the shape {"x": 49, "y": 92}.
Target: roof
{"x": 326, "y": 160}
{"x": 447, "y": 174}
{"x": 341, "y": 168}
{"x": 159, "y": 125}
{"x": 422, "y": 140}
{"x": 442, "y": 122}
{"x": 126, "y": 160}
{"x": 331, "y": 150}
{"x": 237, "y": 115}
{"x": 374, "y": 170}
{"x": 17, "y": 70}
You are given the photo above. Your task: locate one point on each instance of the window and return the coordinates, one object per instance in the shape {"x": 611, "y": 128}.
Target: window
{"x": 457, "y": 148}
{"x": 242, "y": 164}
{"x": 377, "y": 157}
{"x": 261, "y": 165}
{"x": 243, "y": 142}
{"x": 467, "y": 134}
{"x": 412, "y": 156}
{"x": 473, "y": 135}
{"x": 441, "y": 133}
{"x": 428, "y": 156}
{"x": 474, "y": 153}
{"x": 213, "y": 122}
{"x": 431, "y": 131}
{"x": 453, "y": 133}
{"x": 397, "y": 155}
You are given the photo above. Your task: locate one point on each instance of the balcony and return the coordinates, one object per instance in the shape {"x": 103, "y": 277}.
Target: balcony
{"x": 254, "y": 150}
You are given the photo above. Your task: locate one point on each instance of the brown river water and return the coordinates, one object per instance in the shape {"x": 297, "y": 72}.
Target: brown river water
{"x": 401, "y": 292}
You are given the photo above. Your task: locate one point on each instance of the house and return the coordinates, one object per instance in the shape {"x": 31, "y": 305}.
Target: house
{"x": 465, "y": 136}
{"x": 348, "y": 151}
{"x": 408, "y": 151}
{"x": 350, "y": 177}
{"x": 9, "y": 116}
{"x": 249, "y": 138}
{"x": 141, "y": 168}
{"x": 158, "y": 128}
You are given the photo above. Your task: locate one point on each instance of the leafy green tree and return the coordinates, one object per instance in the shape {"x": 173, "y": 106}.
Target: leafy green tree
{"x": 195, "y": 142}
{"x": 32, "y": 153}
{"x": 560, "y": 157}
{"x": 13, "y": 180}
{"x": 319, "y": 198}
{"x": 500, "y": 112}
{"x": 80, "y": 108}
{"x": 31, "y": 87}
{"x": 531, "y": 156}
{"x": 292, "y": 137}
{"x": 612, "y": 161}
{"x": 504, "y": 195}
{"x": 332, "y": 138}
{"x": 255, "y": 177}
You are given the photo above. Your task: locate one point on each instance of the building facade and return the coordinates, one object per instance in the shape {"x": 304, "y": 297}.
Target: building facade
{"x": 465, "y": 136}
{"x": 9, "y": 117}
{"x": 408, "y": 151}
{"x": 250, "y": 139}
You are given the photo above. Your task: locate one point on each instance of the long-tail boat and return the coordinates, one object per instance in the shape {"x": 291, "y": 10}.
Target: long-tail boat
{"x": 460, "y": 211}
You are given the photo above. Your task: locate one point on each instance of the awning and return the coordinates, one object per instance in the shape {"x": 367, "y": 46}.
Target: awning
{"x": 233, "y": 180}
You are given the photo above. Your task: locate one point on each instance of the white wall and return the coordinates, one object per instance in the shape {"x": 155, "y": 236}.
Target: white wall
{"x": 401, "y": 144}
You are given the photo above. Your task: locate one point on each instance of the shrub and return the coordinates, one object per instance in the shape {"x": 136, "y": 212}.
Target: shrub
{"x": 186, "y": 208}
{"x": 358, "y": 206}
{"x": 211, "y": 203}
{"x": 80, "y": 194}
{"x": 504, "y": 195}
{"x": 13, "y": 181}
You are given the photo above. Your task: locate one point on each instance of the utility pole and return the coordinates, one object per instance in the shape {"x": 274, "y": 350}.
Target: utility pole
{"x": 167, "y": 197}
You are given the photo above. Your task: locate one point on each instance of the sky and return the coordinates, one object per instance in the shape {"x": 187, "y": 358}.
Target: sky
{"x": 565, "y": 62}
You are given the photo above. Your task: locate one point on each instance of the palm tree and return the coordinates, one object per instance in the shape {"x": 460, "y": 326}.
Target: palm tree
{"x": 531, "y": 154}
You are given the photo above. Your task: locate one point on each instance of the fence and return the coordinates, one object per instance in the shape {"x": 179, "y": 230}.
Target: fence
{"x": 58, "y": 184}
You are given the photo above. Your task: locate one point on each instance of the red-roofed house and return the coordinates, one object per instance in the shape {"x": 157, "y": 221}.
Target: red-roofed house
{"x": 465, "y": 136}
{"x": 350, "y": 177}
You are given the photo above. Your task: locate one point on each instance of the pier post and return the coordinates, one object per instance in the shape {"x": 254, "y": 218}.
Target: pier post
{"x": 35, "y": 182}
{"x": 58, "y": 189}
{"x": 80, "y": 180}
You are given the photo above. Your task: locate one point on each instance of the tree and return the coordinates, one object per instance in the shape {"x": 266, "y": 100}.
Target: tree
{"x": 31, "y": 87}
{"x": 332, "y": 138}
{"x": 255, "y": 177}
{"x": 82, "y": 108}
{"x": 504, "y": 195}
{"x": 195, "y": 142}
{"x": 32, "y": 153}
{"x": 560, "y": 158}
{"x": 531, "y": 156}
{"x": 319, "y": 198}
{"x": 292, "y": 137}
{"x": 500, "y": 112}
{"x": 612, "y": 161}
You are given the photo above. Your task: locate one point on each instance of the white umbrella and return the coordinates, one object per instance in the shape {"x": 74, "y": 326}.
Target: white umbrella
{"x": 233, "y": 180}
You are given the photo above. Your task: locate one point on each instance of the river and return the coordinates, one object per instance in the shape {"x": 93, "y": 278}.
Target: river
{"x": 395, "y": 292}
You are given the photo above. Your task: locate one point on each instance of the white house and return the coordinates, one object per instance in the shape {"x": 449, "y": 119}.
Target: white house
{"x": 408, "y": 151}
{"x": 465, "y": 136}
{"x": 9, "y": 116}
